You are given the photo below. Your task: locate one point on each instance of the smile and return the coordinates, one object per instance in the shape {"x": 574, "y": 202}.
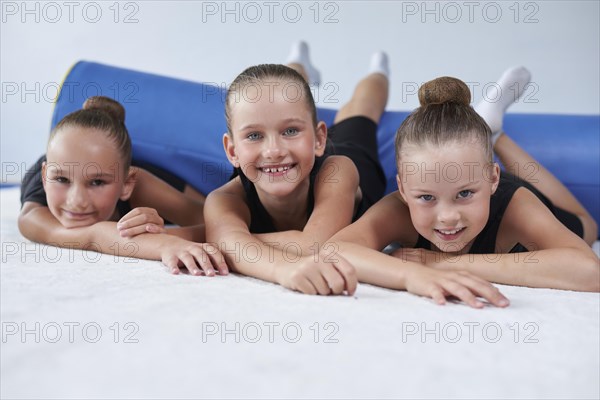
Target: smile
{"x": 74, "y": 215}
{"x": 277, "y": 168}
{"x": 449, "y": 234}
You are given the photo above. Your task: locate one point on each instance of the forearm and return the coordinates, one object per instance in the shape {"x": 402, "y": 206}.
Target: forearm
{"x": 105, "y": 239}
{"x": 248, "y": 255}
{"x": 194, "y": 233}
{"x": 40, "y": 226}
{"x": 564, "y": 268}
{"x": 297, "y": 242}
{"x": 372, "y": 266}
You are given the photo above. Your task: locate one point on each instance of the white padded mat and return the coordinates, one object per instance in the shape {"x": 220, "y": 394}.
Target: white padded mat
{"x": 83, "y": 325}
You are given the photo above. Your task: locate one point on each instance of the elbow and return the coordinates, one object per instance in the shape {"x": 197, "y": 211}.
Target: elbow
{"x": 591, "y": 276}
{"x": 24, "y": 226}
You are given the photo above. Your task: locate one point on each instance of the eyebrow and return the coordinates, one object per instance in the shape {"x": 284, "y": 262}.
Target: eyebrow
{"x": 100, "y": 175}
{"x": 91, "y": 175}
{"x": 289, "y": 120}
{"x": 428, "y": 190}
{"x": 419, "y": 189}
{"x": 473, "y": 183}
{"x": 250, "y": 126}
{"x": 294, "y": 119}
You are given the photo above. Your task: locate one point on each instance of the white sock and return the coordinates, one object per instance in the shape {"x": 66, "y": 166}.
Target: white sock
{"x": 299, "y": 55}
{"x": 380, "y": 64}
{"x": 499, "y": 97}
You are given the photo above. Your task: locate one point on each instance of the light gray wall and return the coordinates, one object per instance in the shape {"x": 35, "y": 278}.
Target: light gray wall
{"x": 213, "y": 41}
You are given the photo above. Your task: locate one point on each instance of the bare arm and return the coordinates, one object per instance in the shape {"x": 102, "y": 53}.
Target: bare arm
{"x": 171, "y": 204}
{"x": 388, "y": 220}
{"x": 334, "y": 191}
{"x": 227, "y": 221}
{"x": 558, "y": 258}
{"x": 37, "y": 223}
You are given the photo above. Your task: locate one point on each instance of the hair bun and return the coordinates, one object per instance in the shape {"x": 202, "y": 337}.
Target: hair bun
{"x": 444, "y": 90}
{"x": 106, "y": 104}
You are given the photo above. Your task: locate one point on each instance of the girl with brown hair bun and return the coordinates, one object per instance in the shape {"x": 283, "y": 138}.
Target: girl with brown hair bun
{"x": 456, "y": 213}
{"x": 76, "y": 193}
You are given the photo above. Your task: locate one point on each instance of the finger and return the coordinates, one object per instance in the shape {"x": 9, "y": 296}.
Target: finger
{"x": 140, "y": 220}
{"x": 317, "y": 279}
{"x": 171, "y": 262}
{"x": 190, "y": 263}
{"x": 129, "y": 215}
{"x": 216, "y": 258}
{"x": 153, "y": 228}
{"x": 486, "y": 290}
{"x": 333, "y": 278}
{"x": 305, "y": 286}
{"x": 348, "y": 273}
{"x": 463, "y": 292}
{"x": 139, "y": 214}
{"x": 131, "y": 232}
{"x": 202, "y": 258}
{"x": 438, "y": 295}
{"x": 309, "y": 279}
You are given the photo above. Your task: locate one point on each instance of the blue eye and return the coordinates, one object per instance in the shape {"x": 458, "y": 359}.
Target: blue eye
{"x": 97, "y": 182}
{"x": 465, "y": 194}
{"x": 426, "y": 197}
{"x": 253, "y": 136}
{"x": 290, "y": 132}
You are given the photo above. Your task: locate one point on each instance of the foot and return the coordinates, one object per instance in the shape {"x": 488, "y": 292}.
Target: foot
{"x": 380, "y": 64}
{"x": 508, "y": 89}
{"x": 299, "y": 55}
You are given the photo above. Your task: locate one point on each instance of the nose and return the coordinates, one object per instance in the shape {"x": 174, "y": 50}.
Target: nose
{"x": 77, "y": 198}
{"x": 273, "y": 148}
{"x": 448, "y": 215}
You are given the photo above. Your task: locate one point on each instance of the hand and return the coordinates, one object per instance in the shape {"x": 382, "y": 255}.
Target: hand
{"x": 440, "y": 284}
{"x": 319, "y": 277}
{"x": 141, "y": 220}
{"x": 179, "y": 253}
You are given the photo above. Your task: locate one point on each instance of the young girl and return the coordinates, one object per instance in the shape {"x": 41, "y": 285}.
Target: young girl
{"x": 453, "y": 200}
{"x": 291, "y": 194}
{"x": 85, "y": 180}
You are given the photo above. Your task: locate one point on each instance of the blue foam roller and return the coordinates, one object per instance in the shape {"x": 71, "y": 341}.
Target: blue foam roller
{"x": 178, "y": 125}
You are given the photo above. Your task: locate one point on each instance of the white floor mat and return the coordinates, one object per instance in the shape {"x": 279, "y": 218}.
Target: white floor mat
{"x": 83, "y": 325}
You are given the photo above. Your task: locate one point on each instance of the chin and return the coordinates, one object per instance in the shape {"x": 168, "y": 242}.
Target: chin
{"x": 447, "y": 247}
{"x": 279, "y": 189}
{"x": 70, "y": 224}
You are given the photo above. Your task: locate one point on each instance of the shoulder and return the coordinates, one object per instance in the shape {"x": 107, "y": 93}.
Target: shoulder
{"x": 390, "y": 220}
{"x": 518, "y": 223}
{"x": 335, "y": 168}
{"x": 230, "y": 195}
{"x": 29, "y": 206}
{"x": 392, "y": 205}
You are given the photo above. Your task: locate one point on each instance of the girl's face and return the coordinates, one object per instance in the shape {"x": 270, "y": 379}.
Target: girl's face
{"x": 84, "y": 177}
{"x": 273, "y": 139}
{"x": 448, "y": 192}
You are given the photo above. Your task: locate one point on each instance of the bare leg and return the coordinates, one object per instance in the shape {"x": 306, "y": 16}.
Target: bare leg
{"x": 300, "y": 69}
{"x": 519, "y": 163}
{"x": 299, "y": 59}
{"x": 192, "y": 193}
{"x": 371, "y": 93}
{"x": 368, "y": 100}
